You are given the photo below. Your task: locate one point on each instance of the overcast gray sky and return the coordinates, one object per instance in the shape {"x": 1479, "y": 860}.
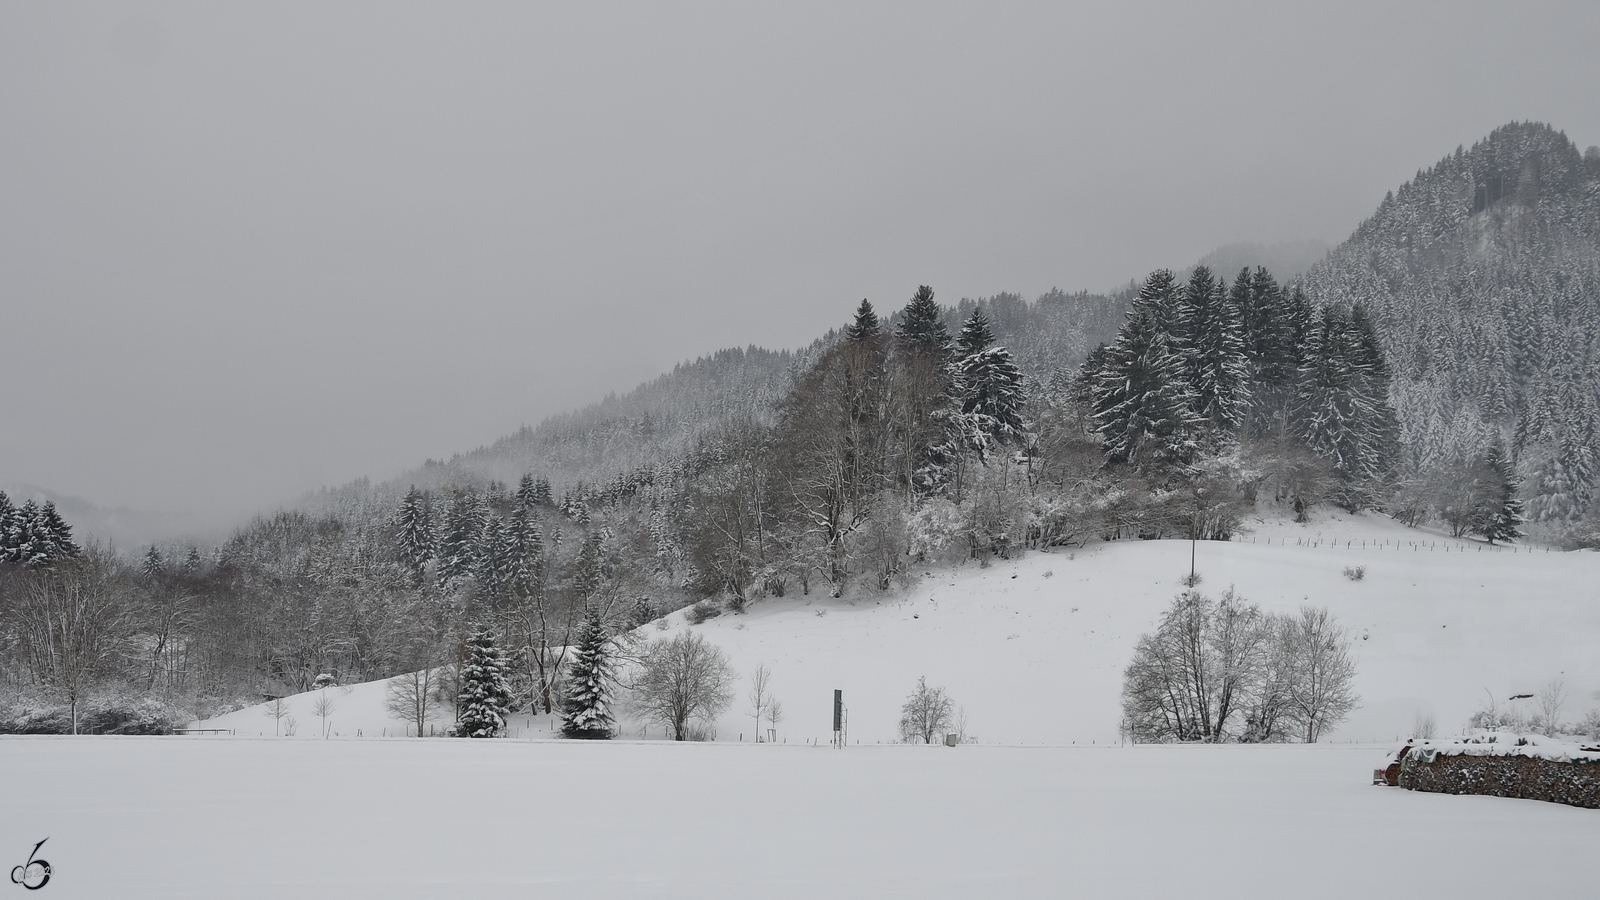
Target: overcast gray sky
{"x": 249, "y": 249}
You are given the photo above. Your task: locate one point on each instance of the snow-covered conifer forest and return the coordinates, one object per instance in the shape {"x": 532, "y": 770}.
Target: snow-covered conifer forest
{"x": 1439, "y": 367}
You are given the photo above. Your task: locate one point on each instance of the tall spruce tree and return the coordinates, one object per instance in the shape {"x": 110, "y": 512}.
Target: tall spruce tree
{"x": 588, "y": 571}
{"x": 922, "y": 418}
{"x": 527, "y": 491}
{"x": 1501, "y": 517}
{"x": 591, "y": 683}
{"x": 526, "y": 537}
{"x": 413, "y": 537}
{"x": 865, "y": 328}
{"x": 27, "y": 543}
{"x": 1213, "y": 347}
{"x": 494, "y": 563}
{"x": 458, "y": 540}
{"x": 1326, "y": 411}
{"x": 1273, "y": 348}
{"x": 1342, "y": 408}
{"x": 10, "y": 530}
{"x": 921, "y": 329}
{"x": 153, "y": 566}
{"x": 991, "y": 386}
{"x": 56, "y": 535}
{"x": 864, "y": 435}
{"x": 485, "y": 695}
{"x": 1140, "y": 400}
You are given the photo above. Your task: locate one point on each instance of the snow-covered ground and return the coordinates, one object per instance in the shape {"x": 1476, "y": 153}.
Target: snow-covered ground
{"x": 261, "y": 818}
{"x": 1047, "y": 805}
{"x": 1034, "y": 649}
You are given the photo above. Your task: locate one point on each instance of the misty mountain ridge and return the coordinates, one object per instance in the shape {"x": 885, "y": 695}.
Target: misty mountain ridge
{"x": 128, "y": 530}
{"x": 1285, "y": 259}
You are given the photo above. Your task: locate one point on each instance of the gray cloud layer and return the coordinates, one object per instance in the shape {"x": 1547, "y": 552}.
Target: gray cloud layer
{"x": 249, "y": 249}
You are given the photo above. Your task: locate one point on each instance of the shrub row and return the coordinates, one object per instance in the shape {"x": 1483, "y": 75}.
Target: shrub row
{"x": 133, "y": 716}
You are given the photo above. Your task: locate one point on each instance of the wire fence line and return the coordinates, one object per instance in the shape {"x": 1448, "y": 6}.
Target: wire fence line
{"x": 1445, "y": 546}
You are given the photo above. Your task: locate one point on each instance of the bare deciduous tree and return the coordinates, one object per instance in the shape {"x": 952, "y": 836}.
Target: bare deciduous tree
{"x": 413, "y": 697}
{"x": 323, "y": 708}
{"x": 74, "y": 622}
{"x": 1223, "y": 671}
{"x": 774, "y": 716}
{"x": 1552, "y": 698}
{"x": 761, "y": 699}
{"x": 926, "y": 713}
{"x": 683, "y": 678}
{"x": 1423, "y": 725}
{"x": 277, "y": 709}
{"x": 1320, "y": 693}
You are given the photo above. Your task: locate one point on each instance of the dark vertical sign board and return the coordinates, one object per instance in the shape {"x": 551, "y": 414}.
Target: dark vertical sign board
{"x": 838, "y": 710}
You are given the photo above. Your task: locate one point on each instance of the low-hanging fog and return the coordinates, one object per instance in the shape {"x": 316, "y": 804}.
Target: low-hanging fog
{"x": 246, "y": 250}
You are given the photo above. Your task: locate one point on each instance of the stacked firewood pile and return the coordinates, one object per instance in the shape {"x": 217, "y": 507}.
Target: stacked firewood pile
{"x": 1530, "y": 777}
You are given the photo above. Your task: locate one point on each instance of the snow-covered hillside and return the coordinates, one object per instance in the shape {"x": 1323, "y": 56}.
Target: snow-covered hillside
{"x": 1033, "y": 649}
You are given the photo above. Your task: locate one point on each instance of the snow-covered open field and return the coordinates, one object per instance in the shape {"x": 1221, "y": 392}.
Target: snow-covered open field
{"x": 1034, "y": 649}
{"x": 399, "y": 818}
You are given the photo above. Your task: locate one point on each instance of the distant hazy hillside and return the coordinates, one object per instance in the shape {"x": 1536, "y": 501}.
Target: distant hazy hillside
{"x": 659, "y": 421}
{"x": 1286, "y": 259}
{"x": 641, "y": 428}
{"x": 126, "y": 529}
{"x": 1483, "y": 274}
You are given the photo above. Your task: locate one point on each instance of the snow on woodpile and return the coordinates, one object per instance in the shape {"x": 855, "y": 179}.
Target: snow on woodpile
{"x": 1500, "y": 764}
{"x": 1501, "y": 743}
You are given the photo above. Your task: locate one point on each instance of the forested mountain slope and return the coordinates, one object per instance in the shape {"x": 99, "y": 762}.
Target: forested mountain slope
{"x": 659, "y": 422}
{"x": 646, "y": 427}
{"x": 1483, "y": 277}
{"x": 1447, "y": 346}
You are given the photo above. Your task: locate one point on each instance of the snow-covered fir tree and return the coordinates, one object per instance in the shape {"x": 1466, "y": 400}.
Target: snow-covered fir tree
{"x": 413, "y": 536}
{"x": 152, "y": 565}
{"x": 59, "y": 544}
{"x": 1140, "y": 400}
{"x": 1273, "y": 327}
{"x": 10, "y": 530}
{"x": 525, "y": 543}
{"x": 589, "y": 570}
{"x": 1342, "y": 410}
{"x": 37, "y": 537}
{"x": 992, "y": 392}
{"x": 495, "y": 562}
{"x": 528, "y": 491}
{"x": 458, "y": 539}
{"x": 1501, "y": 518}
{"x": 921, "y": 328}
{"x": 591, "y": 682}
{"x": 1213, "y": 348}
{"x": 922, "y": 418}
{"x": 866, "y": 326}
{"x": 485, "y": 694}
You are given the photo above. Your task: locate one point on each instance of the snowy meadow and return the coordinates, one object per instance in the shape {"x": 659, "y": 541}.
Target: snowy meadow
{"x": 220, "y": 817}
